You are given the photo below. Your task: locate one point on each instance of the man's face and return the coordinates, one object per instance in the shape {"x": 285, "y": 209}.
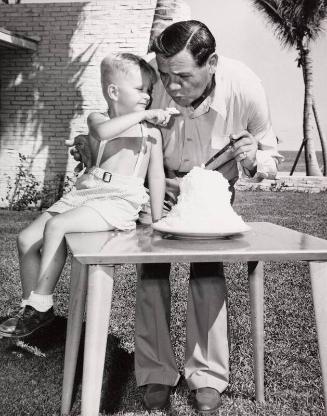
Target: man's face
{"x": 183, "y": 79}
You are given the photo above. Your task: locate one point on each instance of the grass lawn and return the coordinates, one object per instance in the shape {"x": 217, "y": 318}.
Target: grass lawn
{"x": 31, "y": 371}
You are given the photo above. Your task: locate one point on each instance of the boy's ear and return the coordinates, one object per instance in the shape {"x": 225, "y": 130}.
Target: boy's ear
{"x": 212, "y": 62}
{"x": 113, "y": 92}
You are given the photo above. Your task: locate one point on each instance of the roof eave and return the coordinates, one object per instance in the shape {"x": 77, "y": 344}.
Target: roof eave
{"x": 14, "y": 40}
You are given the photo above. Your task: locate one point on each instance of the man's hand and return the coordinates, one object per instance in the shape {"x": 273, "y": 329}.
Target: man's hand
{"x": 160, "y": 117}
{"x": 245, "y": 149}
{"x": 80, "y": 151}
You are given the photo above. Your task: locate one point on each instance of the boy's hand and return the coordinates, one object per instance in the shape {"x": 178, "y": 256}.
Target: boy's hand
{"x": 80, "y": 151}
{"x": 160, "y": 117}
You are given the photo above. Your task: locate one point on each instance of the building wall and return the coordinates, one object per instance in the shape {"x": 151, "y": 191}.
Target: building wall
{"x": 46, "y": 96}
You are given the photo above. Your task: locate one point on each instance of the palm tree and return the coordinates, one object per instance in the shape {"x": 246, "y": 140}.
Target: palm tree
{"x": 163, "y": 17}
{"x": 165, "y": 13}
{"x": 297, "y": 23}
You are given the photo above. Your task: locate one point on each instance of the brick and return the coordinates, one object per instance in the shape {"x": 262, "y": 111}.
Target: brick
{"x": 49, "y": 102}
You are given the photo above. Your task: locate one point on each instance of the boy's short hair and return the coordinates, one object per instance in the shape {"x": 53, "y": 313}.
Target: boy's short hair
{"x": 123, "y": 63}
{"x": 192, "y": 35}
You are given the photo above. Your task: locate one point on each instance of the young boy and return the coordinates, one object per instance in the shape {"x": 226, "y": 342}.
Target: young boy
{"x": 108, "y": 196}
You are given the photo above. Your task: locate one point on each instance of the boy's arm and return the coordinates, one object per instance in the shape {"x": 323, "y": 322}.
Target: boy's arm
{"x": 102, "y": 128}
{"x": 156, "y": 176}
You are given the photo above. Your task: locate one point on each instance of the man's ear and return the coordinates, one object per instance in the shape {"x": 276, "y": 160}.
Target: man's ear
{"x": 212, "y": 63}
{"x": 113, "y": 92}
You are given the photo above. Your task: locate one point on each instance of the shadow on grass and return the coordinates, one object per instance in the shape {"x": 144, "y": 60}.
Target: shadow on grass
{"x": 118, "y": 378}
{"x": 118, "y": 369}
{"x": 45, "y": 339}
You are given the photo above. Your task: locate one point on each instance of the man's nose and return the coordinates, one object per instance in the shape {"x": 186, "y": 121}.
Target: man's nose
{"x": 174, "y": 86}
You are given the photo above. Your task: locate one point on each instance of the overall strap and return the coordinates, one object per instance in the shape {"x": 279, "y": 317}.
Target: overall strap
{"x": 140, "y": 157}
{"x": 144, "y": 131}
{"x": 101, "y": 147}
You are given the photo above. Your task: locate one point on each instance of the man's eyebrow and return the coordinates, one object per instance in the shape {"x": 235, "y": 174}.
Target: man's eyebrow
{"x": 175, "y": 72}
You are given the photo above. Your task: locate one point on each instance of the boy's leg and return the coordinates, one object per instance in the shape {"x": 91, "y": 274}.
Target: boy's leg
{"x": 29, "y": 243}
{"x": 39, "y": 311}
{"x": 82, "y": 219}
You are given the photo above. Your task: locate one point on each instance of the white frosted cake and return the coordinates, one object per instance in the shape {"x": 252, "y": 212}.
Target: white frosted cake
{"x": 203, "y": 206}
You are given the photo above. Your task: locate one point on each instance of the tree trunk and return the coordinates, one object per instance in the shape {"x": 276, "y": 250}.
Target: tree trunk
{"x": 322, "y": 137}
{"x": 163, "y": 17}
{"x": 311, "y": 162}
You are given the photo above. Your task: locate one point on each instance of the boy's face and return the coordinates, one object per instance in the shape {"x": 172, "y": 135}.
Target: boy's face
{"x": 134, "y": 91}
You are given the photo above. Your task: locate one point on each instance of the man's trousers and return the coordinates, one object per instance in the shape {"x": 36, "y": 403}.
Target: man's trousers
{"x": 207, "y": 347}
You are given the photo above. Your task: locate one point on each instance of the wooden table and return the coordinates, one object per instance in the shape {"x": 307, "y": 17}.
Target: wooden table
{"x": 96, "y": 254}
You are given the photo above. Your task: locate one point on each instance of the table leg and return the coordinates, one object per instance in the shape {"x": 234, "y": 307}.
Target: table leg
{"x": 78, "y": 282}
{"x": 256, "y": 279}
{"x": 318, "y": 275}
{"x": 99, "y": 296}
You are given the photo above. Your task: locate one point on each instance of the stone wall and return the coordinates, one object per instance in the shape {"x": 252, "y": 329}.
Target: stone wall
{"x": 46, "y": 96}
{"x": 309, "y": 184}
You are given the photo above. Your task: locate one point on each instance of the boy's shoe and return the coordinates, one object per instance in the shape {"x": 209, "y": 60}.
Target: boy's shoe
{"x": 27, "y": 321}
{"x": 9, "y": 325}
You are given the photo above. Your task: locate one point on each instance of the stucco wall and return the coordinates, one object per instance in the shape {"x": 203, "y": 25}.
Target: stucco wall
{"x": 46, "y": 96}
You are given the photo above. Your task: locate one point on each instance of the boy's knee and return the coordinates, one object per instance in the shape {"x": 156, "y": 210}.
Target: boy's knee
{"x": 54, "y": 226}
{"x": 24, "y": 241}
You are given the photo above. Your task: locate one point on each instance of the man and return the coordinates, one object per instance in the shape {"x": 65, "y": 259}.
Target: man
{"x": 218, "y": 98}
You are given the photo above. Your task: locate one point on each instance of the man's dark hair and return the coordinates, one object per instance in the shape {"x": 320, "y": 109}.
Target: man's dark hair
{"x": 191, "y": 35}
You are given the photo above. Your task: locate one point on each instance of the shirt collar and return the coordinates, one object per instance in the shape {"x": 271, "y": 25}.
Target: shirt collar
{"x": 218, "y": 99}
{"x": 191, "y": 112}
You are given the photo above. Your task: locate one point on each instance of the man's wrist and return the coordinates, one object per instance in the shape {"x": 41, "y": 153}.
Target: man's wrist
{"x": 250, "y": 168}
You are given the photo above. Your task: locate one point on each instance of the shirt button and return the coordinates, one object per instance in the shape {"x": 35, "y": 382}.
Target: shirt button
{"x": 189, "y": 139}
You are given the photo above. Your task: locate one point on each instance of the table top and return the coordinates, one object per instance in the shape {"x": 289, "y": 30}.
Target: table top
{"x": 265, "y": 241}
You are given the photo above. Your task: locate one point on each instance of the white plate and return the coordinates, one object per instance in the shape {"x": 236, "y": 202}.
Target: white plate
{"x": 182, "y": 233}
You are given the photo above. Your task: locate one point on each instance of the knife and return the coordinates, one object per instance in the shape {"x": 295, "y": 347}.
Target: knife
{"x": 223, "y": 150}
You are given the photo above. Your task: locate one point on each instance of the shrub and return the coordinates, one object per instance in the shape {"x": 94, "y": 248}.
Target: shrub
{"x": 26, "y": 192}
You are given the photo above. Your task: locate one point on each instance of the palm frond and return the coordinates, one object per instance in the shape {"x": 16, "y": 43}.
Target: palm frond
{"x": 276, "y": 15}
{"x": 294, "y": 20}
{"x": 270, "y": 9}
{"x": 307, "y": 16}
{"x": 314, "y": 14}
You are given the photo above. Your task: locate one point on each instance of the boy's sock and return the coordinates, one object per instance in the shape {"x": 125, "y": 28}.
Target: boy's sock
{"x": 41, "y": 303}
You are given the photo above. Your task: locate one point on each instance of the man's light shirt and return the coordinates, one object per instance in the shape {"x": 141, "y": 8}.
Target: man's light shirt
{"x": 238, "y": 102}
